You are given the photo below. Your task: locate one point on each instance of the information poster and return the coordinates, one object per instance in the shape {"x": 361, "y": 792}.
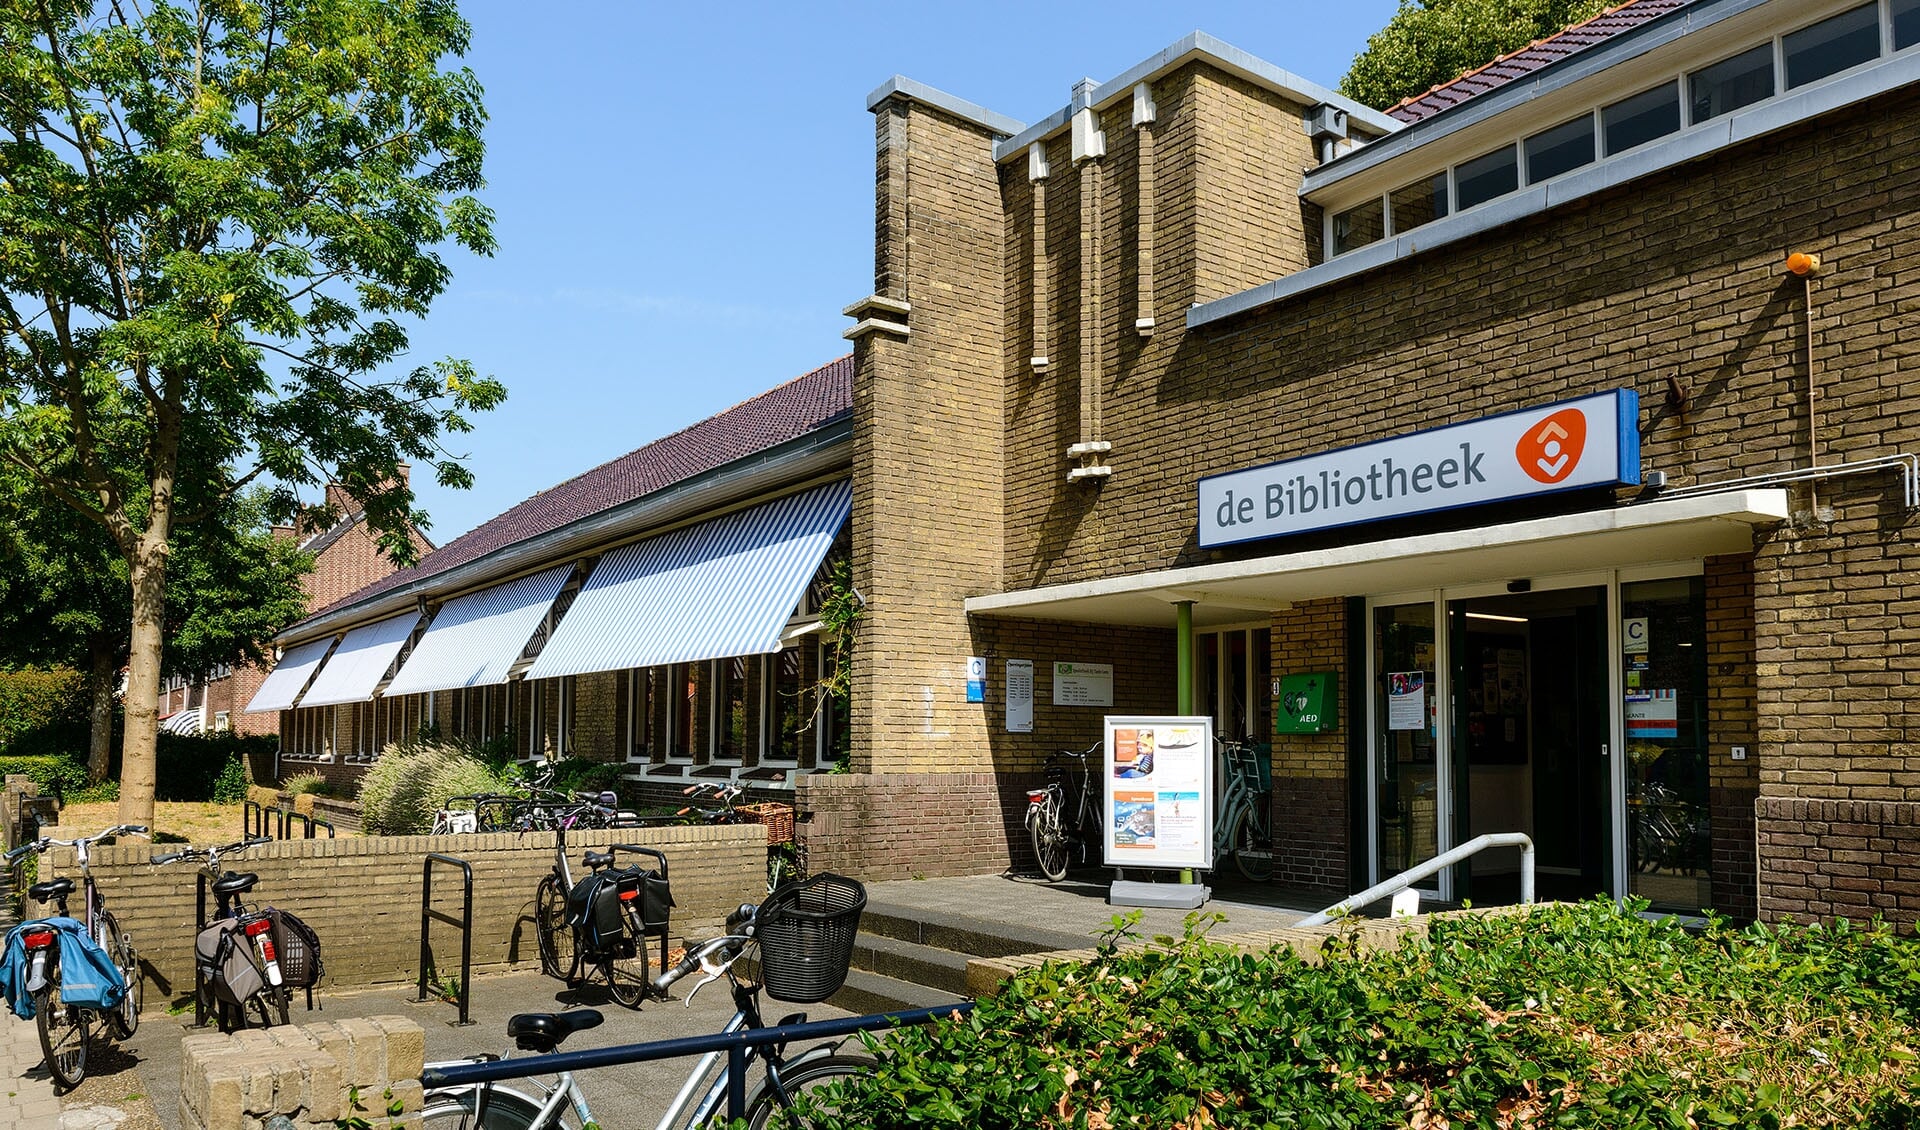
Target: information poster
{"x": 1406, "y": 700}
{"x": 1653, "y": 714}
{"x": 1019, "y": 696}
{"x": 1083, "y": 684}
{"x": 1159, "y": 792}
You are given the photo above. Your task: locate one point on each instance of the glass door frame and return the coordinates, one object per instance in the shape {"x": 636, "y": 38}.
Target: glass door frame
{"x": 1441, "y": 599}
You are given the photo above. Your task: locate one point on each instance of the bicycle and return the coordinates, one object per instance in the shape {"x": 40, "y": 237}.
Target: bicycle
{"x": 239, "y": 981}
{"x": 569, "y": 948}
{"x": 784, "y": 862}
{"x": 1245, "y": 827}
{"x": 1058, "y": 822}
{"x": 65, "y": 1029}
{"x": 803, "y": 915}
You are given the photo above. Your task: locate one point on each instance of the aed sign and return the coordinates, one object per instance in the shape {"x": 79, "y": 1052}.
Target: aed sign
{"x": 1308, "y": 704}
{"x": 1590, "y": 442}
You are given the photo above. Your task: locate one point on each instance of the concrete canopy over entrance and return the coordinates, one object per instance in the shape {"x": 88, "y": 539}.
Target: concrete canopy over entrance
{"x": 1669, "y": 530}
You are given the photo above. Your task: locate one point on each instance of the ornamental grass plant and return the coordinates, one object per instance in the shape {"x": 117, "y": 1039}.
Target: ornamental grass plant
{"x": 1584, "y": 1015}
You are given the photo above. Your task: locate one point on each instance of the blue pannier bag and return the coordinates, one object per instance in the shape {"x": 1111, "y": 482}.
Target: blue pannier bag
{"x": 88, "y": 977}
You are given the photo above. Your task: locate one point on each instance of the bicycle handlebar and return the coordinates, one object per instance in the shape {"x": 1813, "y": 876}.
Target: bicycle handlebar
{"x": 211, "y": 853}
{"x": 46, "y": 842}
{"x": 696, "y": 959}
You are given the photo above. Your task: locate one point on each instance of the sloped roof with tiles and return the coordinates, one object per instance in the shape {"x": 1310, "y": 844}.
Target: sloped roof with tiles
{"x": 788, "y": 412}
{"x": 1534, "y": 57}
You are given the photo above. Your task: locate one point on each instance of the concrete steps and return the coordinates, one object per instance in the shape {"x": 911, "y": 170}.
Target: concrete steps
{"x": 907, "y": 957}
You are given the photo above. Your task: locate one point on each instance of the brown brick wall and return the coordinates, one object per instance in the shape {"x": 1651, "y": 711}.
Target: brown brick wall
{"x": 362, "y": 895}
{"x": 1731, "y": 721}
{"x": 1856, "y": 859}
{"x": 913, "y": 825}
{"x": 926, "y": 462}
{"x": 1310, "y": 786}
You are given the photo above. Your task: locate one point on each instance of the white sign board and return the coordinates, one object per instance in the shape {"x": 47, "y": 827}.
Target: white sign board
{"x": 1593, "y": 441}
{"x": 1633, "y": 635}
{"x": 1083, "y": 684}
{"x": 1019, "y": 696}
{"x": 1159, "y": 792}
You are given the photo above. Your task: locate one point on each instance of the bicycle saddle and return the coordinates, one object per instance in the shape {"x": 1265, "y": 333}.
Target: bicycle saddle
{"x": 233, "y": 882}
{"x": 599, "y": 858}
{"x": 51, "y": 889}
{"x": 543, "y": 1031}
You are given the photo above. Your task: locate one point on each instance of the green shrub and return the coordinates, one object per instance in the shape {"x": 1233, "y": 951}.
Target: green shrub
{"x": 307, "y": 783}
{"x": 1578, "y": 1016}
{"x": 577, "y": 774}
{"x": 47, "y": 771}
{"x": 230, "y": 787}
{"x": 43, "y": 713}
{"x": 189, "y": 766}
{"x": 411, "y": 780}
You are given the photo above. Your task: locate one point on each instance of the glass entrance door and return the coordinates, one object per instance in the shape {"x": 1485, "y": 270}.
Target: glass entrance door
{"x": 1407, "y": 798}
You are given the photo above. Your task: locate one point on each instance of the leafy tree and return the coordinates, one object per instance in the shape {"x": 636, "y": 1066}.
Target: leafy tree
{"x": 214, "y": 220}
{"x": 64, "y": 598}
{"x": 1429, "y": 42}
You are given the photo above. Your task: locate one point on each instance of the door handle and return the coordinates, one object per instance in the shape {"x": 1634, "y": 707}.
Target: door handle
{"x": 1603, "y": 749}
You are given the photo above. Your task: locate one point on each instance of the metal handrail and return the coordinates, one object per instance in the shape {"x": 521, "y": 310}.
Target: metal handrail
{"x": 735, "y": 1044}
{"x": 1434, "y": 866}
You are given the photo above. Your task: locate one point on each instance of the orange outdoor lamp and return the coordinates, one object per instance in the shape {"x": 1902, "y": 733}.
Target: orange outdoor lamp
{"x": 1803, "y": 263}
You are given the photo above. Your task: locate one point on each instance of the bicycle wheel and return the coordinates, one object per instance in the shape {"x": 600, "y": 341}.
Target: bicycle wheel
{"x": 802, "y": 1080}
{"x": 506, "y": 1110}
{"x": 63, "y": 1036}
{"x": 268, "y": 1007}
{"x": 550, "y": 923}
{"x": 1049, "y": 846}
{"x": 125, "y": 1020}
{"x": 1253, "y": 846}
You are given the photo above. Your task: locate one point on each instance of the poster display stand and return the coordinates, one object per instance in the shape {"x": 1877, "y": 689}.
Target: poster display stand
{"x": 1157, "y": 800}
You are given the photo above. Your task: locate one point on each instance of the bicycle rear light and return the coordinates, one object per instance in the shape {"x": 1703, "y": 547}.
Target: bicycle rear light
{"x": 258, "y": 927}
{"x": 37, "y": 939}
{"x": 1035, "y": 796}
{"x": 628, "y": 894}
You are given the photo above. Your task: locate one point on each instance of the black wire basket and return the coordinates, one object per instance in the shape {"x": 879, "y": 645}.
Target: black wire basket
{"x": 806, "y": 932}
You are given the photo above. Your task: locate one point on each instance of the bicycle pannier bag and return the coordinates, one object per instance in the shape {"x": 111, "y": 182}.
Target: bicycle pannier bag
{"x": 220, "y": 951}
{"x": 298, "y": 949}
{"x": 594, "y": 909}
{"x": 88, "y": 976}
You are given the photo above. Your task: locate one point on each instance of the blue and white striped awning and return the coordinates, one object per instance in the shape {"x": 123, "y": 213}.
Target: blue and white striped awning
{"x": 475, "y": 639}
{"x": 289, "y": 676}
{"x": 357, "y": 665}
{"x": 724, "y": 587}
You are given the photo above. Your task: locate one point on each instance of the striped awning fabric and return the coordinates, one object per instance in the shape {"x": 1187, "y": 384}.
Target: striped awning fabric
{"x": 186, "y": 722}
{"x": 289, "y": 676}
{"x": 356, "y": 666}
{"x": 475, "y": 639}
{"x": 721, "y": 588}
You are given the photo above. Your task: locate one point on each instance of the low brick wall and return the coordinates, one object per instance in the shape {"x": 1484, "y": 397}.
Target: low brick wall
{"x": 321, "y": 1076}
{"x": 1853, "y": 859}
{"x": 879, "y": 826}
{"x": 362, "y": 894}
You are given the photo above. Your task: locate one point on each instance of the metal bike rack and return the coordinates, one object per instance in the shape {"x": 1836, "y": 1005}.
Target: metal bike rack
{"x": 253, "y": 820}
{"x": 428, "y": 915}
{"x": 659, "y": 928}
{"x": 200, "y": 923}
{"x": 287, "y": 817}
{"x": 735, "y": 1044}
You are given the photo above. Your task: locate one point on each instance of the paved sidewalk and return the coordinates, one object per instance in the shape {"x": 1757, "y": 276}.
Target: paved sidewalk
{"x": 27, "y": 1101}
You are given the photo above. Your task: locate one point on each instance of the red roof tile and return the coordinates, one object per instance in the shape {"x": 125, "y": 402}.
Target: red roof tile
{"x": 1533, "y": 57}
{"x": 788, "y": 412}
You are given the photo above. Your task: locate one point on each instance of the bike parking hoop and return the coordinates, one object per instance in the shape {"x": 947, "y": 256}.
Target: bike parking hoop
{"x": 428, "y": 915}
{"x": 735, "y": 1044}
{"x": 311, "y": 823}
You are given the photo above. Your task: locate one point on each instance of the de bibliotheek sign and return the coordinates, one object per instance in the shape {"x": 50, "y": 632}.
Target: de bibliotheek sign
{"x": 1593, "y": 441}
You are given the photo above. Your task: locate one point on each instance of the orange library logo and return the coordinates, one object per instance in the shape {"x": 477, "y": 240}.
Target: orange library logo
{"x": 1551, "y": 449}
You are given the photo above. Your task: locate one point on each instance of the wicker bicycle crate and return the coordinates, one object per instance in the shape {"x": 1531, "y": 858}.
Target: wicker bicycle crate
{"x": 775, "y": 817}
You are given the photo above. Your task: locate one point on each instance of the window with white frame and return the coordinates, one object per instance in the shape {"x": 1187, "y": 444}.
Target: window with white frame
{"x": 784, "y": 711}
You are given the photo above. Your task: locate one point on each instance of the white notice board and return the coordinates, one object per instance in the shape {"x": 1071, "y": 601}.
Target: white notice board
{"x": 1158, "y": 776}
{"x": 1083, "y": 684}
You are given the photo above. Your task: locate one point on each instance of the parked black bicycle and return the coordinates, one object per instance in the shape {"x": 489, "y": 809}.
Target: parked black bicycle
{"x": 1063, "y": 816}
{"x": 247, "y": 960}
{"x": 600, "y": 923}
{"x": 65, "y": 973}
{"x": 785, "y": 863}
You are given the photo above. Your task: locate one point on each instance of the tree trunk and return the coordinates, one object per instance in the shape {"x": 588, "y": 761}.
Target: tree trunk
{"x": 142, "y": 703}
{"x": 104, "y": 665}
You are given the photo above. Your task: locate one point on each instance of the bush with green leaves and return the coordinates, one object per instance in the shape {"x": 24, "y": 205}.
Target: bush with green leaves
{"x": 230, "y": 787}
{"x": 1571, "y": 1016}
{"x": 578, "y": 774}
{"x": 192, "y": 766}
{"x": 43, "y": 713}
{"x": 412, "y": 780}
{"x": 303, "y": 783}
{"x": 49, "y": 772}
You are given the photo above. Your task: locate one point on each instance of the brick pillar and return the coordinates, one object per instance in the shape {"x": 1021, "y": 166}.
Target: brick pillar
{"x": 1310, "y": 787}
{"x": 1731, "y": 721}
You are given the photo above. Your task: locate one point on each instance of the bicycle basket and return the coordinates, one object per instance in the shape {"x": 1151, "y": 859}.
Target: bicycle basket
{"x": 775, "y": 817}
{"x": 806, "y": 934}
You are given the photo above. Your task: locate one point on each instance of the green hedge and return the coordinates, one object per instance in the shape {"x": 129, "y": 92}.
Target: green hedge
{"x": 190, "y": 767}
{"x": 69, "y": 775}
{"x": 43, "y": 713}
{"x": 1573, "y": 1016}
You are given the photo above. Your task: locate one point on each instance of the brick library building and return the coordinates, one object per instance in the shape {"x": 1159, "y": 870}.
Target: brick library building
{"x": 1557, "y": 428}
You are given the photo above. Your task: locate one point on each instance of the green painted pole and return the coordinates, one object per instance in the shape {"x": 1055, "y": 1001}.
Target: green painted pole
{"x": 1183, "y": 671}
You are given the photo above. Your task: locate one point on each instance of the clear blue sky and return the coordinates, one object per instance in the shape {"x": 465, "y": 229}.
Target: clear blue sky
{"x": 685, "y": 193}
